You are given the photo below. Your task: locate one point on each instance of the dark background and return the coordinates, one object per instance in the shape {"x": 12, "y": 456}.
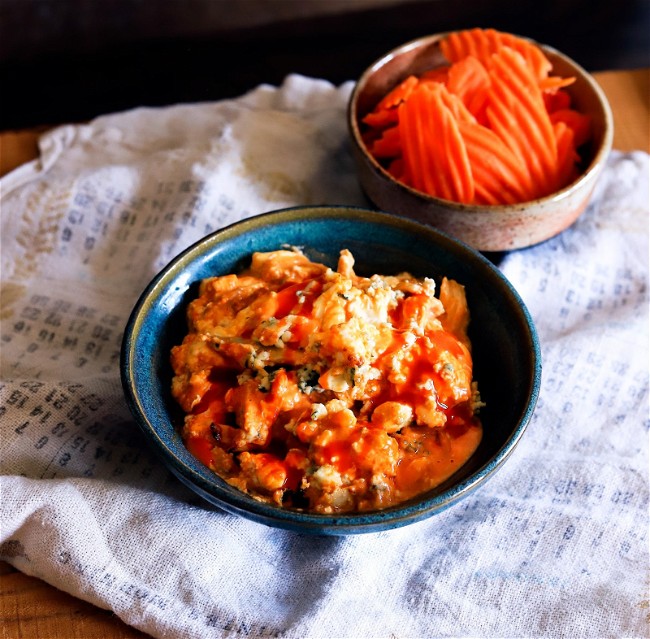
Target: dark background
{"x": 70, "y": 60}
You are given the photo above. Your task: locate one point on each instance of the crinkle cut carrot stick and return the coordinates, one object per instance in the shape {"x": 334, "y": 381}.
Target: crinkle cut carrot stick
{"x": 503, "y": 122}
{"x": 453, "y": 154}
{"x": 399, "y": 94}
{"x": 456, "y": 106}
{"x": 380, "y": 119}
{"x": 484, "y": 148}
{"x": 476, "y": 43}
{"x": 388, "y": 145}
{"x": 453, "y": 47}
{"x": 533, "y": 55}
{"x": 556, "y": 100}
{"x": 514, "y": 87}
{"x": 567, "y": 155}
{"x": 579, "y": 123}
{"x": 470, "y": 81}
{"x": 510, "y": 63}
{"x": 555, "y": 82}
{"x": 494, "y": 39}
{"x": 385, "y": 112}
{"x": 483, "y": 43}
{"x": 468, "y": 43}
{"x": 509, "y": 122}
{"x": 516, "y": 74}
{"x": 434, "y": 176}
{"x": 494, "y": 167}
{"x": 411, "y": 145}
{"x": 423, "y": 136}
{"x": 488, "y": 188}
{"x": 431, "y": 145}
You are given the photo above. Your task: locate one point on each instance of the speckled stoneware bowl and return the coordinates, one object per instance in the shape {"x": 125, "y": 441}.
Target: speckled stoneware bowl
{"x": 505, "y": 347}
{"x": 486, "y": 228}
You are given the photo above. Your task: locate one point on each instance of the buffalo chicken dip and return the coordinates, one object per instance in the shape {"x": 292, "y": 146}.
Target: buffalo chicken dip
{"x": 324, "y": 391}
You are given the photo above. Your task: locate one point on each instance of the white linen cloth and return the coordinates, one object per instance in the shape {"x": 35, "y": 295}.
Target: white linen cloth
{"x": 555, "y": 545}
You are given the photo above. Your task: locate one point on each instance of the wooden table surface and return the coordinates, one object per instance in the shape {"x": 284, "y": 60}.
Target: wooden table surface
{"x": 32, "y": 609}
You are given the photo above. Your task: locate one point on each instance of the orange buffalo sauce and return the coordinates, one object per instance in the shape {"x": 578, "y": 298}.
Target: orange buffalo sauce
{"x": 321, "y": 390}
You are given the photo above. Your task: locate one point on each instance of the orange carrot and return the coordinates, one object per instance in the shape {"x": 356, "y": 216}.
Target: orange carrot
{"x": 503, "y": 122}
{"x": 483, "y": 43}
{"x": 514, "y": 85}
{"x": 435, "y": 178}
{"x": 399, "y": 94}
{"x": 579, "y": 123}
{"x": 456, "y": 165}
{"x": 491, "y": 127}
{"x": 388, "y": 145}
{"x": 506, "y": 123}
{"x": 385, "y": 113}
{"x": 567, "y": 156}
{"x": 488, "y": 154}
{"x": 456, "y": 106}
{"x": 556, "y": 100}
{"x": 421, "y": 137}
{"x": 460, "y": 44}
{"x": 446, "y": 170}
{"x": 533, "y": 55}
{"x": 410, "y": 138}
{"x": 381, "y": 118}
{"x": 437, "y": 74}
{"x": 470, "y": 81}
{"x": 553, "y": 83}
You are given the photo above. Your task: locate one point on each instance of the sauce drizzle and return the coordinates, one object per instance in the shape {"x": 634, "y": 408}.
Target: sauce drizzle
{"x": 320, "y": 390}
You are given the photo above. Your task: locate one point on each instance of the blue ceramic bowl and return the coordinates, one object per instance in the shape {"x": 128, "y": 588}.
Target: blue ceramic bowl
{"x": 505, "y": 347}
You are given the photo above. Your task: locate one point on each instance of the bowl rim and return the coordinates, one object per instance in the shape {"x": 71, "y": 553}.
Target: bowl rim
{"x": 212, "y": 489}
{"x": 599, "y": 157}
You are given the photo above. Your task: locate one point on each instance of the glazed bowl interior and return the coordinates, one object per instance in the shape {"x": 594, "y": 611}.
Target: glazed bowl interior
{"x": 484, "y": 227}
{"x": 505, "y": 346}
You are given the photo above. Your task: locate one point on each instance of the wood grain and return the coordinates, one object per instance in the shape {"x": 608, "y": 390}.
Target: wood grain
{"x": 32, "y": 609}
{"x": 628, "y": 93}
{"x": 18, "y": 147}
